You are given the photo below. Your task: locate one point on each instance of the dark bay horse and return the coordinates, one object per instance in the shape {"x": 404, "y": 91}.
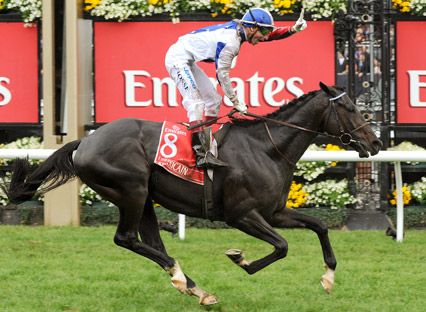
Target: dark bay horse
{"x": 117, "y": 162}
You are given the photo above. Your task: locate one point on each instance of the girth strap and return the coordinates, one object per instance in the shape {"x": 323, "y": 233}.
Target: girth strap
{"x": 207, "y": 196}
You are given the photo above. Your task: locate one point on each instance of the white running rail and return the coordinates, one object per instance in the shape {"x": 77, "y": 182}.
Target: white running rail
{"x": 23, "y": 153}
{"x": 347, "y": 156}
{"x": 384, "y": 156}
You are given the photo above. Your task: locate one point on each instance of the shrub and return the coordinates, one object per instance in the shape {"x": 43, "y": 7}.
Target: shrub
{"x": 329, "y": 193}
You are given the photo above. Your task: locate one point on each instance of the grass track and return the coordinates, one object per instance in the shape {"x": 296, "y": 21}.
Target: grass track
{"x": 80, "y": 269}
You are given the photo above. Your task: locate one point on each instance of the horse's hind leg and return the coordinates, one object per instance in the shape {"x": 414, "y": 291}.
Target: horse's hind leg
{"x": 128, "y": 190}
{"x": 288, "y": 218}
{"x": 126, "y": 236}
{"x": 134, "y": 219}
{"x": 148, "y": 228}
{"x": 150, "y": 234}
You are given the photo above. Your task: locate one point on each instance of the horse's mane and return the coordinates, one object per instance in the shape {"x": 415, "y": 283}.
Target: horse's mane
{"x": 248, "y": 122}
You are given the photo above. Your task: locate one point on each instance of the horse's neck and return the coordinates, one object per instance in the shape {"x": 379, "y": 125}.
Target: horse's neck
{"x": 294, "y": 142}
{"x": 294, "y": 145}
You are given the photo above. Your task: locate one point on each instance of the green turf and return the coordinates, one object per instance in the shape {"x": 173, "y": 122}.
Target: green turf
{"x": 80, "y": 269}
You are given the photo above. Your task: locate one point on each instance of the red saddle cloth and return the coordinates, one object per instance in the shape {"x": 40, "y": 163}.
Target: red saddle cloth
{"x": 175, "y": 154}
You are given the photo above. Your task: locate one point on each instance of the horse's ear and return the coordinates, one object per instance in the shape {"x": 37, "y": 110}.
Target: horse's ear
{"x": 325, "y": 88}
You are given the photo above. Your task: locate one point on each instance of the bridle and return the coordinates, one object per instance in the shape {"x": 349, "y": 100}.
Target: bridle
{"x": 345, "y": 137}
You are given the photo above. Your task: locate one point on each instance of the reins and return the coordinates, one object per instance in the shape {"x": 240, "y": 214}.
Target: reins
{"x": 345, "y": 137}
{"x": 282, "y": 123}
{"x": 211, "y": 121}
{"x": 276, "y": 147}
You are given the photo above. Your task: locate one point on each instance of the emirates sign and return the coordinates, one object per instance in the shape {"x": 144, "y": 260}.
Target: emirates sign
{"x": 131, "y": 79}
{"x": 19, "y": 100}
{"x": 411, "y": 72}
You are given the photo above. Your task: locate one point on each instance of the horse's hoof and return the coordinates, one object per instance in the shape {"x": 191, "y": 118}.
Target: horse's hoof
{"x": 208, "y": 300}
{"x": 327, "y": 285}
{"x": 327, "y": 280}
{"x": 233, "y": 252}
{"x": 235, "y": 255}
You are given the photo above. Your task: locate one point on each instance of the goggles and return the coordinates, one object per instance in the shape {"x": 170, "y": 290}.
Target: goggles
{"x": 265, "y": 30}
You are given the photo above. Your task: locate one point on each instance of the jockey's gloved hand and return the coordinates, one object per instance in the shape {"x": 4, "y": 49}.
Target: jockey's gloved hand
{"x": 241, "y": 107}
{"x": 300, "y": 23}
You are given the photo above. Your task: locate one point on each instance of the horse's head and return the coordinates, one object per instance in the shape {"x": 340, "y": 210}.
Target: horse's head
{"x": 343, "y": 120}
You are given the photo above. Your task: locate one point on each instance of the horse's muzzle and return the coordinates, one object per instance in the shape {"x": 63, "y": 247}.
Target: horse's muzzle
{"x": 377, "y": 145}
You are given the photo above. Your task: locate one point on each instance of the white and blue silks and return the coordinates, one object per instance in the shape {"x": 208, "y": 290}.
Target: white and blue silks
{"x": 219, "y": 44}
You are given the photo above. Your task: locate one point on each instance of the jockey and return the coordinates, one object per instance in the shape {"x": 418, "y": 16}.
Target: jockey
{"x": 219, "y": 44}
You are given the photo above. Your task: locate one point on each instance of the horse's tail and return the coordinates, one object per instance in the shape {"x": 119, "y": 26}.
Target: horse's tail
{"x": 53, "y": 172}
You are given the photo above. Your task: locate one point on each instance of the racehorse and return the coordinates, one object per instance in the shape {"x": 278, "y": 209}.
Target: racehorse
{"x": 250, "y": 194}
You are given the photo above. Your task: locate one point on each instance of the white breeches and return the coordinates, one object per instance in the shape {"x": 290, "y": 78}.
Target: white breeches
{"x": 200, "y": 97}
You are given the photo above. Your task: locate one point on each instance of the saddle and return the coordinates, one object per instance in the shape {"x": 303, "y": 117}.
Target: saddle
{"x": 175, "y": 153}
{"x": 176, "y": 156}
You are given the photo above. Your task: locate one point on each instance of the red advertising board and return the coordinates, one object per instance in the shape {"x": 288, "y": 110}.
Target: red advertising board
{"x": 131, "y": 79}
{"x": 19, "y": 98}
{"x": 411, "y": 72}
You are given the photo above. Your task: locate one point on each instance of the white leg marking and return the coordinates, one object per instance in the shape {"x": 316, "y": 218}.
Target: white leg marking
{"x": 236, "y": 253}
{"x": 178, "y": 278}
{"x": 180, "y": 283}
{"x": 327, "y": 280}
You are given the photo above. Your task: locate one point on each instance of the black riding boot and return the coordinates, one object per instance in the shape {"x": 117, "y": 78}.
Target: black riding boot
{"x": 201, "y": 146}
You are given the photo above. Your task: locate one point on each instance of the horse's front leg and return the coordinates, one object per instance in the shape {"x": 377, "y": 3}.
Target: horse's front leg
{"x": 289, "y": 218}
{"x": 255, "y": 225}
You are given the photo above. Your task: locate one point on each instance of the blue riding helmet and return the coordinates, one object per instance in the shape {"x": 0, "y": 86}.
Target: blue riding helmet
{"x": 258, "y": 17}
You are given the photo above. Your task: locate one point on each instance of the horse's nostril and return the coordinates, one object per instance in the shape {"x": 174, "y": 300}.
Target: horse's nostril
{"x": 377, "y": 144}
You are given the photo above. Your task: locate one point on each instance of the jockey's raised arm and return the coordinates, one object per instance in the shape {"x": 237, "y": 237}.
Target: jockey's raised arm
{"x": 218, "y": 44}
{"x": 285, "y": 32}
